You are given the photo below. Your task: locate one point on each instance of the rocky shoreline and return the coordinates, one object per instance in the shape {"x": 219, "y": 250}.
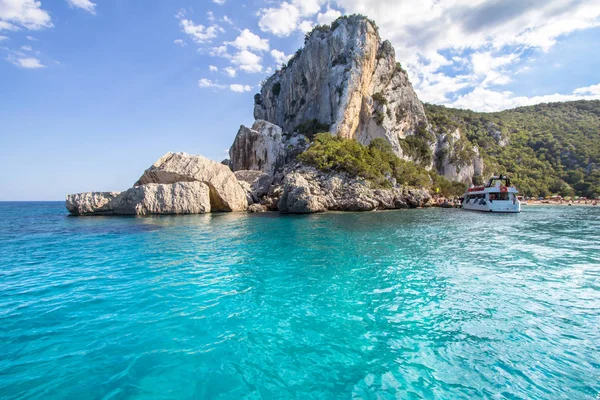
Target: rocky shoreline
{"x": 179, "y": 183}
{"x": 345, "y": 81}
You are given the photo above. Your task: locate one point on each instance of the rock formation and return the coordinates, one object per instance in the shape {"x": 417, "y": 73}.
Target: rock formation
{"x": 175, "y": 198}
{"x": 255, "y": 183}
{"x": 348, "y": 80}
{"x": 258, "y": 148}
{"x": 307, "y": 190}
{"x": 178, "y": 183}
{"x": 457, "y": 160}
{"x": 225, "y": 192}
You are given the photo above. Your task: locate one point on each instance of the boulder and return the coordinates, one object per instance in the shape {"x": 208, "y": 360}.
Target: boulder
{"x": 175, "y": 198}
{"x": 226, "y": 194}
{"x": 98, "y": 203}
{"x": 257, "y": 208}
{"x": 259, "y": 148}
{"x": 257, "y": 182}
{"x": 299, "y": 196}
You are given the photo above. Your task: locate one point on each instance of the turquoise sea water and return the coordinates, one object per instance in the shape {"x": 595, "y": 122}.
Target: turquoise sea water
{"x": 436, "y": 303}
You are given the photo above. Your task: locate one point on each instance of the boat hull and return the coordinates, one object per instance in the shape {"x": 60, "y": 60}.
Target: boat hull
{"x": 497, "y": 207}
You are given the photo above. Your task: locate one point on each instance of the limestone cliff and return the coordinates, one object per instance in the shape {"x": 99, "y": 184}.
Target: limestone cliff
{"x": 347, "y": 79}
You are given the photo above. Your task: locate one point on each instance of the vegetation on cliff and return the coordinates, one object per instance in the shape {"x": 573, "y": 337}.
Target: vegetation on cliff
{"x": 547, "y": 148}
{"x": 375, "y": 162}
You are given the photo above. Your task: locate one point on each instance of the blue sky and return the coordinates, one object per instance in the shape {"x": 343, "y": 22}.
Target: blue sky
{"x": 93, "y": 92}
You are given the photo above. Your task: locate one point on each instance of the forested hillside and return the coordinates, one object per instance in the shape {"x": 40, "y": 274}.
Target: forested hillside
{"x": 547, "y": 148}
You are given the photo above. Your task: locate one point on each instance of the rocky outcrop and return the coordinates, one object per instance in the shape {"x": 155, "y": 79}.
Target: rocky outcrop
{"x": 307, "y": 190}
{"x": 225, "y": 192}
{"x": 175, "y": 198}
{"x": 258, "y": 148}
{"x": 301, "y": 196}
{"x": 348, "y": 80}
{"x": 495, "y": 132}
{"x": 457, "y": 159}
{"x": 256, "y": 184}
{"x": 265, "y": 147}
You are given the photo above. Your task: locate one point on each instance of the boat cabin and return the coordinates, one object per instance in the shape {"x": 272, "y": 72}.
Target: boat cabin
{"x": 498, "y": 181}
{"x": 497, "y": 196}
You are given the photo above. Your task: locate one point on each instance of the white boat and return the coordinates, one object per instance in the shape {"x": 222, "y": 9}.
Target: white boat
{"x": 497, "y": 196}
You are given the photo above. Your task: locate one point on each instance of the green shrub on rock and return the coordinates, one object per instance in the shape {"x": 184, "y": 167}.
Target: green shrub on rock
{"x": 375, "y": 162}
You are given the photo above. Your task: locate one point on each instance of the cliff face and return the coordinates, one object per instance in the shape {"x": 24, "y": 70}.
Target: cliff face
{"x": 347, "y": 79}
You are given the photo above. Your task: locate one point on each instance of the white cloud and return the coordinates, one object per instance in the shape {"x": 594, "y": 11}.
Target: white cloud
{"x": 481, "y": 99}
{"x": 219, "y": 2}
{"x": 490, "y": 29}
{"x": 220, "y": 51}
{"x": 248, "y": 61}
{"x": 207, "y": 83}
{"x": 295, "y": 15}
{"x": 23, "y": 13}
{"x": 213, "y": 68}
{"x": 180, "y": 42}
{"x": 279, "y": 56}
{"x": 490, "y": 68}
{"x": 3, "y": 38}
{"x": 210, "y": 16}
{"x": 593, "y": 90}
{"x": 199, "y": 33}
{"x": 86, "y": 5}
{"x": 31, "y": 38}
{"x": 25, "y": 62}
{"x": 240, "y": 88}
{"x": 227, "y": 20}
{"x": 230, "y": 71}
{"x": 250, "y": 41}
{"x": 5, "y": 26}
{"x": 280, "y": 21}
{"x": 305, "y": 26}
{"x": 328, "y": 16}
{"x": 26, "y": 48}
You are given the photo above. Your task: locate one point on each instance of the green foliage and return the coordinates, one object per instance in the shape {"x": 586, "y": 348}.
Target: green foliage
{"x": 399, "y": 67}
{"x": 379, "y": 98}
{"x": 311, "y": 127}
{"x": 378, "y": 116}
{"x": 318, "y": 28}
{"x": 293, "y": 58}
{"x": 276, "y": 88}
{"x": 418, "y": 146}
{"x": 337, "y": 22}
{"x": 375, "y": 162}
{"x": 552, "y": 148}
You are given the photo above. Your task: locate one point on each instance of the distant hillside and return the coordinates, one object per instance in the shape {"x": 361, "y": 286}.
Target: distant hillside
{"x": 546, "y": 148}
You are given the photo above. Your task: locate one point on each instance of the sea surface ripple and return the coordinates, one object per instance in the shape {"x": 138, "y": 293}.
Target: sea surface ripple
{"x": 432, "y": 304}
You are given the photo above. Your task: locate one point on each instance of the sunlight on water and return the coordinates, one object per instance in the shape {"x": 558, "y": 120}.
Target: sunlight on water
{"x": 402, "y": 304}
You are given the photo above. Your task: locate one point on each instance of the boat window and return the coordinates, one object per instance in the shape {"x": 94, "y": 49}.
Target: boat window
{"x": 502, "y": 196}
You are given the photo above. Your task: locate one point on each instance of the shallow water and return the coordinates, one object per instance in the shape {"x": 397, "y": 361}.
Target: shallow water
{"x": 410, "y": 304}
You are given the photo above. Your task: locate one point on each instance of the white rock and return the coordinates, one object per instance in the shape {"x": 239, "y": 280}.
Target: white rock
{"x": 259, "y": 148}
{"x": 334, "y": 79}
{"x": 225, "y": 192}
{"x": 175, "y": 198}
